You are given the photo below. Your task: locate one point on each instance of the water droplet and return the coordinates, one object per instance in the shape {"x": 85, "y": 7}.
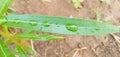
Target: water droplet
{"x": 71, "y": 27}
{"x": 33, "y": 22}
{"x": 46, "y": 24}
{"x": 3, "y": 21}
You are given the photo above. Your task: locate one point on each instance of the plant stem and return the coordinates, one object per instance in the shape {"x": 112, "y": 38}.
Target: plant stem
{"x": 5, "y": 28}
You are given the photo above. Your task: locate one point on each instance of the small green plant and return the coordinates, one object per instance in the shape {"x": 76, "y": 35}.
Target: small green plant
{"x": 77, "y": 3}
{"x": 51, "y": 24}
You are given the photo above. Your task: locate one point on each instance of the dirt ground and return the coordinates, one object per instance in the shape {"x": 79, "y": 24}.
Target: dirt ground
{"x": 75, "y": 46}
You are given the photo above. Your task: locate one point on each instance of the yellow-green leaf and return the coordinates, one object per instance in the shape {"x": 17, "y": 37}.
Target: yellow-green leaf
{"x": 44, "y": 37}
{"x": 4, "y": 4}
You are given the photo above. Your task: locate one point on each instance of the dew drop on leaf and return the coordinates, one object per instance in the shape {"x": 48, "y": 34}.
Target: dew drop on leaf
{"x": 46, "y": 24}
{"x": 33, "y": 22}
{"x": 71, "y": 27}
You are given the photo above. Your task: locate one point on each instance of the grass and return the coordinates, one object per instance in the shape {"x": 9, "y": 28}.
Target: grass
{"x": 41, "y": 23}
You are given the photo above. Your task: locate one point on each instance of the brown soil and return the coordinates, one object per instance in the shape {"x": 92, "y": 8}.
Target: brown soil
{"x": 75, "y": 46}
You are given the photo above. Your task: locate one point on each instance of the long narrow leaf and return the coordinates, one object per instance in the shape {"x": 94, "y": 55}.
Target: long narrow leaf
{"x": 4, "y": 4}
{"x": 44, "y": 37}
{"x": 11, "y": 11}
{"x": 4, "y": 50}
{"x": 59, "y": 25}
{"x": 21, "y": 51}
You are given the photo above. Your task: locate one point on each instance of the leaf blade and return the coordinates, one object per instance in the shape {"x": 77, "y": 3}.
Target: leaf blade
{"x": 21, "y": 51}
{"x": 4, "y": 50}
{"x": 60, "y": 25}
{"x": 11, "y": 11}
{"x": 43, "y": 37}
{"x": 4, "y": 4}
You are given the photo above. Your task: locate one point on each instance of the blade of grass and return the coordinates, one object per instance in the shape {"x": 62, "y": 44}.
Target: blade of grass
{"x": 21, "y": 51}
{"x": 60, "y": 25}
{"x": 4, "y": 4}
{"x": 11, "y": 11}
{"x": 44, "y": 37}
{"x": 7, "y": 34}
{"x": 4, "y": 50}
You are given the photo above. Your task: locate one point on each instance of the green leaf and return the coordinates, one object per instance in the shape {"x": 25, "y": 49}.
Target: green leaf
{"x": 11, "y": 11}
{"x": 60, "y": 25}
{"x": 8, "y": 41}
{"x": 4, "y": 50}
{"x": 4, "y": 4}
{"x": 21, "y": 51}
{"x": 44, "y": 37}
